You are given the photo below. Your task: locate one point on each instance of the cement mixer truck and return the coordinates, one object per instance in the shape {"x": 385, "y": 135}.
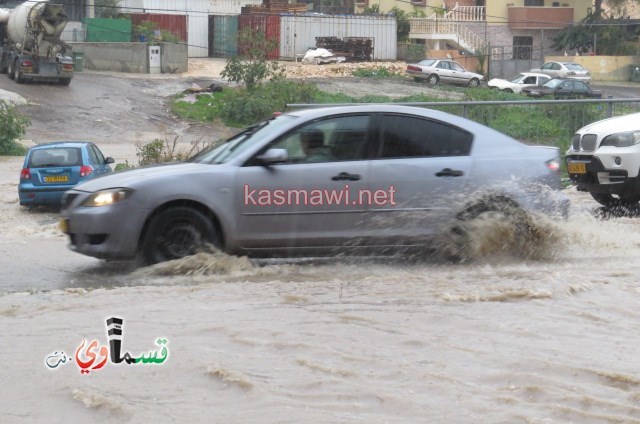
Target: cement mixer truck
{"x": 30, "y": 44}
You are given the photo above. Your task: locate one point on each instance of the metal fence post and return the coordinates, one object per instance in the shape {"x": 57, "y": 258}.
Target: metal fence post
{"x": 609, "y": 107}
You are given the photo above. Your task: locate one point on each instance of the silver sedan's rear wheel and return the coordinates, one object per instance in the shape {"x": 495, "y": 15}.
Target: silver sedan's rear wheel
{"x": 433, "y": 79}
{"x": 459, "y": 240}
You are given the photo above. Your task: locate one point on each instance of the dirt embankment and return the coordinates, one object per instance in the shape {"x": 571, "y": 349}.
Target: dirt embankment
{"x": 338, "y": 78}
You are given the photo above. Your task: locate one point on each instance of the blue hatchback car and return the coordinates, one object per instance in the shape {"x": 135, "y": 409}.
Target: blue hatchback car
{"x": 50, "y": 169}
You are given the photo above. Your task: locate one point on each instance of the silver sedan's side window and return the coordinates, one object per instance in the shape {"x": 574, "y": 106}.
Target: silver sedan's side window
{"x": 407, "y": 136}
{"x": 455, "y": 67}
{"x": 335, "y": 139}
{"x": 443, "y": 65}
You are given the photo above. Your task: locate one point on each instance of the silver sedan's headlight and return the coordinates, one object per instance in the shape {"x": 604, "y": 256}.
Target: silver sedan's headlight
{"x": 107, "y": 197}
{"x": 623, "y": 139}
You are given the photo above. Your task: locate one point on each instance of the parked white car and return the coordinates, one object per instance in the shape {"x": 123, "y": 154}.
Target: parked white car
{"x": 524, "y": 79}
{"x": 604, "y": 159}
{"x": 565, "y": 70}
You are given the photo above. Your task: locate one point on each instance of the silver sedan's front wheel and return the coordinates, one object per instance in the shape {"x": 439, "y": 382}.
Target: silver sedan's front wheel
{"x": 475, "y": 82}
{"x": 178, "y": 232}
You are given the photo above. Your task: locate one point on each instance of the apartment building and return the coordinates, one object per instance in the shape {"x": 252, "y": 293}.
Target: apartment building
{"x": 514, "y": 29}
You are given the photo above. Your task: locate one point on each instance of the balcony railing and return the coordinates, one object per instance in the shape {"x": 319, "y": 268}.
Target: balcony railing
{"x": 531, "y": 17}
{"x": 466, "y": 13}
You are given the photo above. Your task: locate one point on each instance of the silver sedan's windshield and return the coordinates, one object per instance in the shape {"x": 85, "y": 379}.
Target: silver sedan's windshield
{"x": 239, "y": 143}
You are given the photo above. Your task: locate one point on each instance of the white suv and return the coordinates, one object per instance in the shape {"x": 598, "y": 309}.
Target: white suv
{"x": 604, "y": 159}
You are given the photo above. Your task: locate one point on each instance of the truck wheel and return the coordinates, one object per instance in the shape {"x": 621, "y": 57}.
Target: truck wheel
{"x": 10, "y": 70}
{"x": 17, "y": 75}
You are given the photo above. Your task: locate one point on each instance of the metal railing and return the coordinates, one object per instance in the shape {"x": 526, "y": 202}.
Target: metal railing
{"x": 550, "y": 122}
{"x": 467, "y": 39}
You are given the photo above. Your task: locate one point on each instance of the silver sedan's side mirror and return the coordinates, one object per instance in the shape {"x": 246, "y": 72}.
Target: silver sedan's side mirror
{"x": 273, "y": 156}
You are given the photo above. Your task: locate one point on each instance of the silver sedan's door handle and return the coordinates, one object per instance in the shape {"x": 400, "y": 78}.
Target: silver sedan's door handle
{"x": 446, "y": 172}
{"x": 345, "y": 176}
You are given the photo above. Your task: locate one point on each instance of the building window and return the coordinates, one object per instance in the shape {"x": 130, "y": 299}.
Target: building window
{"x": 534, "y": 2}
{"x": 522, "y": 47}
{"x": 362, "y": 2}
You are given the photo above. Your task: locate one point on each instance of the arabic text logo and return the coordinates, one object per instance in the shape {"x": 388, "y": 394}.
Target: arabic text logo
{"x": 91, "y": 356}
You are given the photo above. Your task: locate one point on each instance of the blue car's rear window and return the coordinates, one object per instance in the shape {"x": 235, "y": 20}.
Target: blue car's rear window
{"x": 55, "y": 156}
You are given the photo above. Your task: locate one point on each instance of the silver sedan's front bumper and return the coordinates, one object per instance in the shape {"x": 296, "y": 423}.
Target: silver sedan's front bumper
{"x": 104, "y": 232}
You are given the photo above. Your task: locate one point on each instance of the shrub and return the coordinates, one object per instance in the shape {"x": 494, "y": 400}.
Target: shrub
{"x": 243, "y": 106}
{"x": 251, "y": 67}
{"x": 162, "y": 150}
{"x": 12, "y": 127}
{"x": 147, "y": 29}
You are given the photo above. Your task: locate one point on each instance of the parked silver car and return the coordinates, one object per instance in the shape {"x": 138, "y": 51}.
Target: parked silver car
{"x": 314, "y": 181}
{"x": 565, "y": 70}
{"x": 436, "y": 70}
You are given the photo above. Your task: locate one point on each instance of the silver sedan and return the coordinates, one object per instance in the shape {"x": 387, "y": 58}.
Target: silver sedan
{"x": 436, "y": 70}
{"x": 316, "y": 181}
{"x": 565, "y": 70}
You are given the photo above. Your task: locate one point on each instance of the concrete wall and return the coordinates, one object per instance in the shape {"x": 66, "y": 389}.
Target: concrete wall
{"x": 174, "y": 58}
{"x": 603, "y": 68}
{"x": 131, "y": 57}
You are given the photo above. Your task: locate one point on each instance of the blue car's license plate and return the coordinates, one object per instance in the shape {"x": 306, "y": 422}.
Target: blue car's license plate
{"x": 56, "y": 179}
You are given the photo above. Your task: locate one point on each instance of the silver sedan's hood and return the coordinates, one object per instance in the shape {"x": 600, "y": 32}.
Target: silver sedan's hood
{"x": 133, "y": 177}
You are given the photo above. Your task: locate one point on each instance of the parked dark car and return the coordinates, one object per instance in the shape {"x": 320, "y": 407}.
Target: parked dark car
{"x": 563, "y": 88}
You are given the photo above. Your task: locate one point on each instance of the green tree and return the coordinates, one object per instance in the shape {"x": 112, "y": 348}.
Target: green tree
{"x": 403, "y": 28}
{"x": 12, "y": 127}
{"x": 251, "y": 66}
{"x": 107, "y": 8}
{"x": 607, "y": 36}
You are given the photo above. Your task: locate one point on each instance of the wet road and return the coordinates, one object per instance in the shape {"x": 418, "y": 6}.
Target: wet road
{"x": 115, "y": 112}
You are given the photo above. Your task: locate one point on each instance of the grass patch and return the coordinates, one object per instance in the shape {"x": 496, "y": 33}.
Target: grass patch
{"x": 548, "y": 124}
{"x": 379, "y": 72}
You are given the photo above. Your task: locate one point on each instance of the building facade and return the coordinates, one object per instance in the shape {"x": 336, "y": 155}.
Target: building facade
{"x": 515, "y": 29}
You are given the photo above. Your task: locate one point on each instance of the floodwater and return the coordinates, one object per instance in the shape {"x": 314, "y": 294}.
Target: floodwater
{"x": 502, "y": 338}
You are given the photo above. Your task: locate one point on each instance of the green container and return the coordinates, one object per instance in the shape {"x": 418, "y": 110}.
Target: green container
{"x": 102, "y": 30}
{"x": 78, "y": 61}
